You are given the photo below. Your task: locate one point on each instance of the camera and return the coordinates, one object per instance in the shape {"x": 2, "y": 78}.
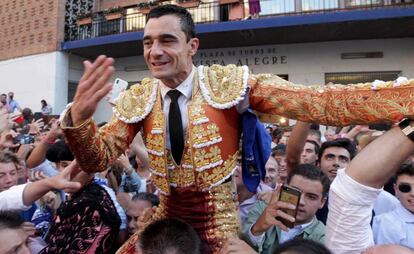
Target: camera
{"x": 24, "y": 139}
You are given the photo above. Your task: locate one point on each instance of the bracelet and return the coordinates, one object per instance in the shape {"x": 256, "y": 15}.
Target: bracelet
{"x": 48, "y": 141}
{"x": 407, "y": 128}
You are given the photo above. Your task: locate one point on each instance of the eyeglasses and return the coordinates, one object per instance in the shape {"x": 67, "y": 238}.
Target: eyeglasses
{"x": 404, "y": 187}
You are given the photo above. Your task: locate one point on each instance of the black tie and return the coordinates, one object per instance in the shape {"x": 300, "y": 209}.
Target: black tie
{"x": 175, "y": 126}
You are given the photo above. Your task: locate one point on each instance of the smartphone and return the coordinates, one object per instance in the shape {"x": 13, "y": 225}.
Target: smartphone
{"x": 118, "y": 87}
{"x": 289, "y": 195}
{"x": 37, "y": 116}
{"x": 24, "y": 139}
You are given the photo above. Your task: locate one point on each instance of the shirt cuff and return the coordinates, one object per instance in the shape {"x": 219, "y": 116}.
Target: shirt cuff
{"x": 65, "y": 119}
{"x": 257, "y": 239}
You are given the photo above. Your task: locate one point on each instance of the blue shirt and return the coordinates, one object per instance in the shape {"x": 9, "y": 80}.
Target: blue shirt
{"x": 13, "y": 104}
{"x": 395, "y": 227}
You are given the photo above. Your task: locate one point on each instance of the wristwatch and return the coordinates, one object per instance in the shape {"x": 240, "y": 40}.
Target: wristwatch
{"x": 407, "y": 128}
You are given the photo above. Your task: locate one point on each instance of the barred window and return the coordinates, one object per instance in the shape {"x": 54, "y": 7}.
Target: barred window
{"x": 360, "y": 77}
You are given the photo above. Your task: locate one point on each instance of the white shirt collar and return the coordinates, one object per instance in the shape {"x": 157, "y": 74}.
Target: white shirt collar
{"x": 186, "y": 87}
{"x": 404, "y": 214}
{"x": 302, "y": 227}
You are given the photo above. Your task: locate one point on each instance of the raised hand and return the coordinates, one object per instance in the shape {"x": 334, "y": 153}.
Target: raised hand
{"x": 5, "y": 121}
{"x": 93, "y": 86}
{"x": 274, "y": 209}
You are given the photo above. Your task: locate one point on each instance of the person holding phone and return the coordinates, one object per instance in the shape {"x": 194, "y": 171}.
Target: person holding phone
{"x": 269, "y": 225}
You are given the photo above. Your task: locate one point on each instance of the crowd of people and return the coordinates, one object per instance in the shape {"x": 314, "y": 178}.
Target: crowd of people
{"x": 49, "y": 207}
{"x": 159, "y": 179}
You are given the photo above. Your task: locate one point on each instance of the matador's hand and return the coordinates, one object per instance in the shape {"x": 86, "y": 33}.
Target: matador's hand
{"x": 93, "y": 86}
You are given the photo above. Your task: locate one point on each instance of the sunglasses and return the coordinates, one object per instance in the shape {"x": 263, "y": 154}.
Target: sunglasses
{"x": 404, "y": 187}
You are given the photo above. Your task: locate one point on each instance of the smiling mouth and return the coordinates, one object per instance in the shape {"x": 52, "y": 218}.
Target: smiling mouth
{"x": 157, "y": 64}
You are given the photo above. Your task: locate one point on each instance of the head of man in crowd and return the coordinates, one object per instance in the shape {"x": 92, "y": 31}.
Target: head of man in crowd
{"x": 404, "y": 186}
{"x": 136, "y": 206}
{"x": 315, "y": 135}
{"x": 170, "y": 44}
{"x": 60, "y": 154}
{"x": 3, "y": 99}
{"x": 280, "y": 156}
{"x": 301, "y": 246}
{"x": 169, "y": 236}
{"x": 310, "y": 153}
{"x": 277, "y": 134}
{"x": 8, "y": 170}
{"x": 330, "y": 134}
{"x": 314, "y": 185}
{"x": 272, "y": 172}
{"x": 334, "y": 155}
{"x": 11, "y": 95}
{"x": 286, "y": 134}
{"x": 13, "y": 238}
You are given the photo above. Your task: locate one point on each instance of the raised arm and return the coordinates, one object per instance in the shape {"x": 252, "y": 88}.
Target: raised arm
{"x": 38, "y": 155}
{"x": 95, "y": 150}
{"x": 379, "y": 161}
{"x": 295, "y": 144}
{"x": 34, "y": 191}
{"x": 333, "y": 105}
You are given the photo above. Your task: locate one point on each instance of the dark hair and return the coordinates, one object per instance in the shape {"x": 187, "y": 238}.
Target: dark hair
{"x": 44, "y": 102}
{"x": 59, "y": 151}
{"x": 277, "y": 134}
{"x": 279, "y": 150}
{"x": 10, "y": 219}
{"x": 339, "y": 142}
{"x": 169, "y": 234}
{"x": 301, "y": 246}
{"x": 186, "y": 20}
{"x": 9, "y": 157}
{"x": 313, "y": 173}
{"x": 315, "y": 133}
{"x": 315, "y": 146}
{"x": 405, "y": 169}
{"x": 146, "y": 196}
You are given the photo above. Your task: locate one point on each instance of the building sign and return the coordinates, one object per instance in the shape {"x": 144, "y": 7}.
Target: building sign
{"x": 252, "y": 56}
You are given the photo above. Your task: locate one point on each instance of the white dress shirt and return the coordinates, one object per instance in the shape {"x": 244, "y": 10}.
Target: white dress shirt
{"x": 348, "y": 229}
{"x": 12, "y": 199}
{"x": 186, "y": 89}
{"x": 395, "y": 227}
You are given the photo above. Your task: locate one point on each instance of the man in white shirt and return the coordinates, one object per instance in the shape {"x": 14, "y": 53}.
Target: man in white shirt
{"x": 355, "y": 189}
{"x": 21, "y": 197}
{"x": 397, "y": 226}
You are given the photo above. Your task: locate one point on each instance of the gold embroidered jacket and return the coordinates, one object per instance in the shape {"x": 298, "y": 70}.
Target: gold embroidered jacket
{"x": 212, "y": 134}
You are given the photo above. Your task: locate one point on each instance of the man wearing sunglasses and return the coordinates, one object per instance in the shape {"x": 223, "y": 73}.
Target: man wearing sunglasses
{"x": 397, "y": 226}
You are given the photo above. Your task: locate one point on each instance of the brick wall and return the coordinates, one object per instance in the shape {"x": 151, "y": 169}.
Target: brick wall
{"x": 30, "y": 27}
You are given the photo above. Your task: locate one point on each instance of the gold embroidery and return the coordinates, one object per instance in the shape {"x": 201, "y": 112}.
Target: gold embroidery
{"x": 136, "y": 103}
{"x": 216, "y": 175}
{"x": 224, "y": 223}
{"x": 224, "y": 84}
{"x": 336, "y": 105}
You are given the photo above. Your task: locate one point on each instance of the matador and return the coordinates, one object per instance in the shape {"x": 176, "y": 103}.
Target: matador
{"x": 197, "y": 187}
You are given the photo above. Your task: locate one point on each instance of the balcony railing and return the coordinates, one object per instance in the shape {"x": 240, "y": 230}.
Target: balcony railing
{"x": 210, "y": 11}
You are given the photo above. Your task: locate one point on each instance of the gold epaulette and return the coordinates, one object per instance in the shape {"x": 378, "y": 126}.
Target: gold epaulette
{"x": 136, "y": 103}
{"x": 223, "y": 86}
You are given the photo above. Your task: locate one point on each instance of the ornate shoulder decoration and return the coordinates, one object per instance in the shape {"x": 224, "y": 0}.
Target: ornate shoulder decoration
{"x": 137, "y": 102}
{"x": 223, "y": 86}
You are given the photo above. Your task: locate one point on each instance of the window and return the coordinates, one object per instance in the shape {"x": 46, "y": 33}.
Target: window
{"x": 360, "y": 77}
{"x": 72, "y": 90}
